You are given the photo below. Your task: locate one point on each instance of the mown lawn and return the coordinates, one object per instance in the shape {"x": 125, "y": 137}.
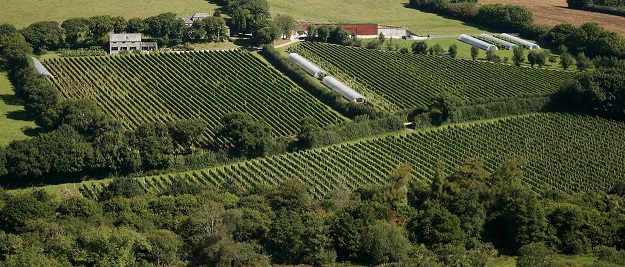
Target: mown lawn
{"x": 12, "y": 116}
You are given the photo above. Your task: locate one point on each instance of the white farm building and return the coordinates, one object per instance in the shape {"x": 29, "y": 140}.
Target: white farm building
{"x": 529, "y": 45}
{"x": 309, "y": 67}
{"x": 343, "y": 89}
{"x": 508, "y": 45}
{"x": 476, "y": 42}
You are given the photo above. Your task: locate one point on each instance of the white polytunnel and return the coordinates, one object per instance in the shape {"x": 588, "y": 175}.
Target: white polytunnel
{"x": 476, "y": 42}
{"x": 508, "y": 45}
{"x": 343, "y": 89}
{"x": 529, "y": 45}
{"x": 309, "y": 67}
{"x": 40, "y": 68}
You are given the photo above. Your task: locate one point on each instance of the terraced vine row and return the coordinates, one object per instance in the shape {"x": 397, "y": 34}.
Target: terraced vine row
{"x": 570, "y": 153}
{"x": 409, "y": 80}
{"x": 201, "y": 85}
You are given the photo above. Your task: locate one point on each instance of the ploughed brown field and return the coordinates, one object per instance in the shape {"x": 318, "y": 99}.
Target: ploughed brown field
{"x": 554, "y": 12}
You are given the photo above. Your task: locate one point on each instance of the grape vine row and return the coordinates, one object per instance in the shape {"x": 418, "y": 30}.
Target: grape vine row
{"x": 409, "y": 80}
{"x": 570, "y": 153}
{"x": 200, "y": 85}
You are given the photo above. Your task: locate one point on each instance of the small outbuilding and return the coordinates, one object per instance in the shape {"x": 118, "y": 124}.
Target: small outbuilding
{"x": 199, "y": 16}
{"x": 529, "y": 45}
{"x": 308, "y": 66}
{"x": 343, "y": 89}
{"x": 477, "y": 42}
{"x": 394, "y": 32}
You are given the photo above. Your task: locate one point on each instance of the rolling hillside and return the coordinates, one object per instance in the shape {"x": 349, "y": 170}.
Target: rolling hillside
{"x": 568, "y": 153}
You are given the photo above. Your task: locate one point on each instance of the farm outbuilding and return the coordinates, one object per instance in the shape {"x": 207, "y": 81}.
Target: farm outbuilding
{"x": 40, "y": 68}
{"x": 309, "y": 67}
{"x": 508, "y": 45}
{"x": 529, "y": 45}
{"x": 343, "y": 89}
{"x": 476, "y": 42}
{"x": 394, "y": 32}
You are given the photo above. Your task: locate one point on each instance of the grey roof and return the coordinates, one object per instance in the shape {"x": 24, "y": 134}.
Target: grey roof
{"x": 125, "y": 37}
{"x": 40, "y": 68}
{"x": 197, "y": 16}
{"x": 187, "y": 20}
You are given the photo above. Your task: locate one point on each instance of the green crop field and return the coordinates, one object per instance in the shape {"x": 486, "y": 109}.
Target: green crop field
{"x": 23, "y": 13}
{"x": 569, "y": 153}
{"x": 393, "y": 12}
{"x": 12, "y": 115}
{"x": 205, "y": 85}
{"x": 397, "y": 81}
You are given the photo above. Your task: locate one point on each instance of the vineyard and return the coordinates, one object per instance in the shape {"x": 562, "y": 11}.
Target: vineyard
{"x": 142, "y": 88}
{"x": 398, "y": 81}
{"x": 570, "y": 153}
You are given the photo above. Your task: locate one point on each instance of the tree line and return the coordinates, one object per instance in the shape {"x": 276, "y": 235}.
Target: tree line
{"x": 613, "y": 7}
{"x": 165, "y": 28}
{"x": 588, "y": 38}
{"x": 461, "y": 217}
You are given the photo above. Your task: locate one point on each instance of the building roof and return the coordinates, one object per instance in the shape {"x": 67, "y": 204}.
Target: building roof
{"x": 187, "y": 21}
{"x": 125, "y": 37}
{"x": 197, "y": 16}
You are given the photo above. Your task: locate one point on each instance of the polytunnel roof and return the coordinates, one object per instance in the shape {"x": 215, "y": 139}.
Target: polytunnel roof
{"x": 40, "y": 68}
{"x": 304, "y": 63}
{"x": 341, "y": 88}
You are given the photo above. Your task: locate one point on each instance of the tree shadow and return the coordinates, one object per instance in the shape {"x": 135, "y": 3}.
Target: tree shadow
{"x": 12, "y": 100}
{"x": 222, "y": 8}
{"x": 19, "y": 115}
{"x": 32, "y": 131}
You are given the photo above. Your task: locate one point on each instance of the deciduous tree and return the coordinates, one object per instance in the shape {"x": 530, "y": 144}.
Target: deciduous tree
{"x": 286, "y": 23}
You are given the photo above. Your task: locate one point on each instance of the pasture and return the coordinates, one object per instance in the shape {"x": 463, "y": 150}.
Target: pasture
{"x": 12, "y": 116}
{"x": 23, "y": 13}
{"x": 390, "y": 12}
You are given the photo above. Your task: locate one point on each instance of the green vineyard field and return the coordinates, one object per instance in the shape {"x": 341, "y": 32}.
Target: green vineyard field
{"x": 200, "y": 85}
{"x": 570, "y": 153}
{"x": 395, "y": 81}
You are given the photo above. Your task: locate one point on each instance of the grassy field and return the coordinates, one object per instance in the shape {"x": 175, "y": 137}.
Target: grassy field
{"x": 11, "y": 114}
{"x": 23, "y": 13}
{"x": 390, "y": 12}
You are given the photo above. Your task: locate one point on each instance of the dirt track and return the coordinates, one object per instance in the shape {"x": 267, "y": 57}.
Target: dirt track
{"x": 553, "y": 12}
